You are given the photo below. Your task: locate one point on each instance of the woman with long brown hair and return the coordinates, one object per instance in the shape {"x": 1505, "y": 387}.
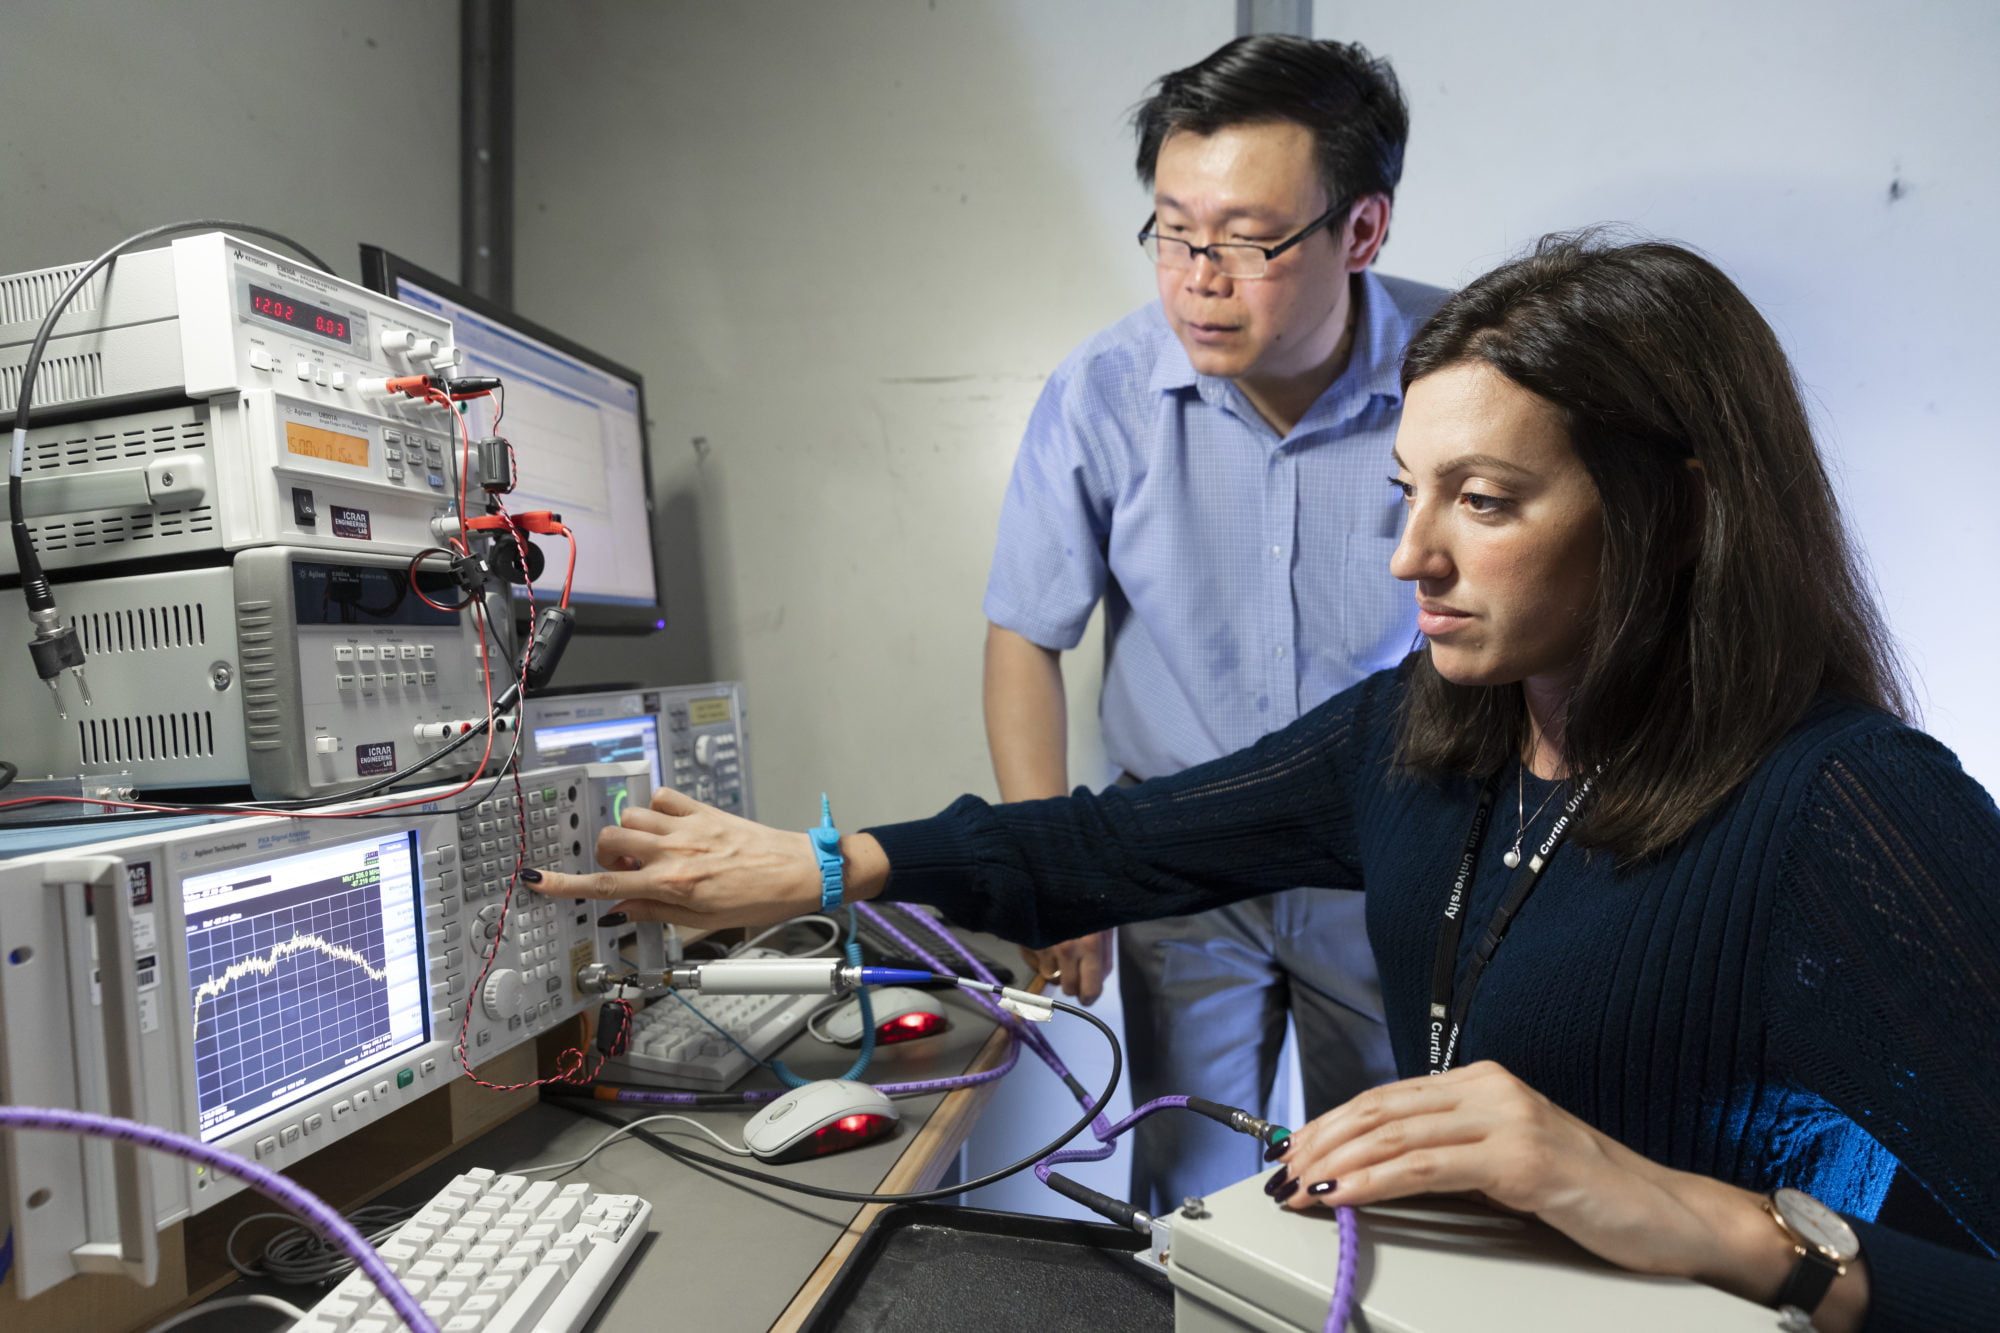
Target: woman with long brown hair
{"x": 1687, "y": 940}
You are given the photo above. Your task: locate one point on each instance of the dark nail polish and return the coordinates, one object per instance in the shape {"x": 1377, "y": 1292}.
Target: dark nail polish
{"x": 610, "y": 919}
{"x": 531, "y": 877}
{"x": 1277, "y": 1179}
{"x": 1277, "y": 1150}
{"x": 1291, "y": 1188}
{"x": 1321, "y": 1187}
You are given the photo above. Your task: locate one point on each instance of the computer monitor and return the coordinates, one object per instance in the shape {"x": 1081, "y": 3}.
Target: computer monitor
{"x": 302, "y": 971}
{"x": 577, "y": 421}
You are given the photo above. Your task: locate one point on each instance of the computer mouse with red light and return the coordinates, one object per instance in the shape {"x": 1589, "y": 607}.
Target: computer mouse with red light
{"x": 900, "y": 1015}
{"x": 825, "y": 1116}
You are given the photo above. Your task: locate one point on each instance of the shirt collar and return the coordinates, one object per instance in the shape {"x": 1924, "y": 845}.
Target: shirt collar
{"x": 1374, "y": 362}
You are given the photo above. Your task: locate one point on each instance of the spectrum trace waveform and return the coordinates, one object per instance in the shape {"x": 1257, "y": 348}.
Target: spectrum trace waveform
{"x": 267, "y": 965}
{"x": 287, "y": 992}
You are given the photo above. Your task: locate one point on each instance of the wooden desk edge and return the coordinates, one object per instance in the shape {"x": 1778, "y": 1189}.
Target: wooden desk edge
{"x": 921, "y": 1166}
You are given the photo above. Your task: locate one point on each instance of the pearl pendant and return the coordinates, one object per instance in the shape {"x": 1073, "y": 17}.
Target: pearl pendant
{"x": 1511, "y": 857}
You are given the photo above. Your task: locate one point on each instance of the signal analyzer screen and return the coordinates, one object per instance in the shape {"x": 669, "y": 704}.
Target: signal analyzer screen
{"x": 607, "y": 741}
{"x": 302, "y": 971}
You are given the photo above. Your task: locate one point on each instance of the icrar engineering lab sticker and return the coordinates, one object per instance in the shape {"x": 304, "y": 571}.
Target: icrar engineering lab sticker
{"x": 375, "y": 759}
{"x": 350, "y": 522}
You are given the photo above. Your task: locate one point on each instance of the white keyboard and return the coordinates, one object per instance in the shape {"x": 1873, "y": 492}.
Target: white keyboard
{"x": 672, "y": 1048}
{"x": 497, "y": 1254}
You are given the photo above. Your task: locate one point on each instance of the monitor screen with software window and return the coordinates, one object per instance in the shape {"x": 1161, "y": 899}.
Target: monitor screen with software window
{"x": 577, "y": 422}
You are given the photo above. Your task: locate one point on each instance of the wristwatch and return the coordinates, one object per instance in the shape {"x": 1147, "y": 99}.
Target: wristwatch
{"x": 1824, "y": 1242}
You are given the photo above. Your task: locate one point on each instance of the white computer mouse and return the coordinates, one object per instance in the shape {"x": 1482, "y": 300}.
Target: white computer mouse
{"x": 826, "y": 1116}
{"x": 900, "y": 1014}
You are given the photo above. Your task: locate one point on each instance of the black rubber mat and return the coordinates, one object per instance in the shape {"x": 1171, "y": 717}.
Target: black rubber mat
{"x": 934, "y": 1268}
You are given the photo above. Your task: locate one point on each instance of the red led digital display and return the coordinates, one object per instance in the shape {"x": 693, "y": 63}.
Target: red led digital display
{"x": 299, "y": 315}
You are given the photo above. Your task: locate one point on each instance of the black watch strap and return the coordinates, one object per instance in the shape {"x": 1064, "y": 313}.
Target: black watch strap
{"x": 1810, "y": 1278}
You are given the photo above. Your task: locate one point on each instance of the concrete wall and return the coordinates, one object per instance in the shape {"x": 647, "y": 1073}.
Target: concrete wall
{"x": 845, "y": 244}
{"x": 334, "y": 124}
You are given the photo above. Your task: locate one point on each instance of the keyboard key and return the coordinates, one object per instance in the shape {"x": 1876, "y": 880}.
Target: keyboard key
{"x": 538, "y": 1290}
{"x": 399, "y": 1255}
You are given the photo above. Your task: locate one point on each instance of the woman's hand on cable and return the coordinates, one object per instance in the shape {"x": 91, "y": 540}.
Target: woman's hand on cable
{"x": 694, "y": 865}
{"x": 1482, "y": 1131}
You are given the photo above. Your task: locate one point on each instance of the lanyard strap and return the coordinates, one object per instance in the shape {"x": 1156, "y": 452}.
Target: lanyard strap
{"x": 1451, "y": 1003}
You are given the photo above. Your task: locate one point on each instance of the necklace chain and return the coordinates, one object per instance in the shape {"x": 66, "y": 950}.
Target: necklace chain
{"x": 1512, "y": 856}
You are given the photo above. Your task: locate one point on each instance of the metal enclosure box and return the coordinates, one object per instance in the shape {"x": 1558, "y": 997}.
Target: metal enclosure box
{"x": 296, "y": 671}
{"x": 1430, "y": 1266}
{"x": 206, "y": 412}
{"x": 703, "y": 736}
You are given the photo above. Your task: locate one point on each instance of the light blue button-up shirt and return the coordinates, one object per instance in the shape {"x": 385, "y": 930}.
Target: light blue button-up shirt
{"x": 1246, "y": 576}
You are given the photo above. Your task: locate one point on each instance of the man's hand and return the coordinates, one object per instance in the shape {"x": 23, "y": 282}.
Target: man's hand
{"x": 1080, "y": 966}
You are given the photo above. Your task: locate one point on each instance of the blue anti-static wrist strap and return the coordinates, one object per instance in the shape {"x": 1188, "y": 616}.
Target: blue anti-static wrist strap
{"x": 826, "y": 846}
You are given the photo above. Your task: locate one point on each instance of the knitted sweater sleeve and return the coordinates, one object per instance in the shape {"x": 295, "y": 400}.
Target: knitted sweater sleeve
{"x": 1883, "y": 983}
{"x": 1271, "y": 817}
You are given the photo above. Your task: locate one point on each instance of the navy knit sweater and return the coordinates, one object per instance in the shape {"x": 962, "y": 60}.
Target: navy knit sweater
{"x": 1803, "y": 991}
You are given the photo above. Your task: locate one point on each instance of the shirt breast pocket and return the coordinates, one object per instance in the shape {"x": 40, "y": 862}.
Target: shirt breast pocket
{"x": 1378, "y": 611}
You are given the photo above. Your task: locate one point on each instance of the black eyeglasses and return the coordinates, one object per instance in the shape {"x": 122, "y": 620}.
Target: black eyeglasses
{"x": 1235, "y": 259}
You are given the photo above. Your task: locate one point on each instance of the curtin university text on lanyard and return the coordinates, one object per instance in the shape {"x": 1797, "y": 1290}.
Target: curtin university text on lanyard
{"x": 1451, "y": 1003}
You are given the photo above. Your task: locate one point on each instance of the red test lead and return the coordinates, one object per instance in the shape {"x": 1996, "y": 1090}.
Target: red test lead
{"x": 413, "y": 386}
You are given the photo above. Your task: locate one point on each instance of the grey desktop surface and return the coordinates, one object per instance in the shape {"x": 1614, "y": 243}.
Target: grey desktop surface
{"x": 725, "y": 1254}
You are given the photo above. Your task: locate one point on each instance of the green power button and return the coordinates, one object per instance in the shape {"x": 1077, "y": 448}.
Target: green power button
{"x": 618, "y": 800}
{"x": 404, "y": 1078}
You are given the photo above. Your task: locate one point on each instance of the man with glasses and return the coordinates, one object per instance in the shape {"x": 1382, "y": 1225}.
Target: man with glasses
{"x": 1213, "y": 467}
